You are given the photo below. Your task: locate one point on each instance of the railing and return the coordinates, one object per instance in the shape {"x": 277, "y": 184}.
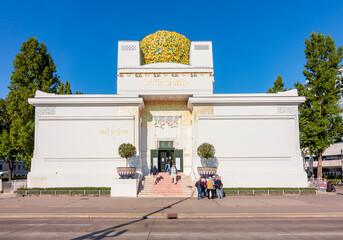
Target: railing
{"x": 15, "y": 184}
{"x": 270, "y": 192}
{"x": 64, "y": 192}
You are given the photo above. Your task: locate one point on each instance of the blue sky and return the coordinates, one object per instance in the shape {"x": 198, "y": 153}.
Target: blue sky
{"x": 253, "y": 41}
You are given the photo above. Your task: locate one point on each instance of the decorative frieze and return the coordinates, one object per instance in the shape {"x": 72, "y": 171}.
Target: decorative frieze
{"x": 128, "y": 47}
{"x": 166, "y": 108}
{"x": 291, "y": 110}
{"x": 202, "y": 110}
{"x": 129, "y": 110}
{"x": 165, "y": 74}
{"x": 163, "y": 121}
{"x": 201, "y": 47}
{"x": 45, "y": 111}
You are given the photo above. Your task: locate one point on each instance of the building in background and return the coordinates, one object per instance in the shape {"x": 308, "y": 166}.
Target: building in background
{"x": 19, "y": 169}
{"x": 332, "y": 161}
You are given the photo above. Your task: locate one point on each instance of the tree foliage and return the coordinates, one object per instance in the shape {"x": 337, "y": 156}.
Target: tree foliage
{"x": 10, "y": 148}
{"x": 33, "y": 69}
{"x": 320, "y": 123}
{"x": 127, "y": 150}
{"x": 4, "y": 117}
{"x": 278, "y": 86}
{"x": 206, "y": 151}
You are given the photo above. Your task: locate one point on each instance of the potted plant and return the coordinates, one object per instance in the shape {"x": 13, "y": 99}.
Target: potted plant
{"x": 206, "y": 151}
{"x": 126, "y": 150}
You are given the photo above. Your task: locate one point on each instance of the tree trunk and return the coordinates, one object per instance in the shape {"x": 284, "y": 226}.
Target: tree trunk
{"x": 126, "y": 163}
{"x": 319, "y": 167}
{"x": 9, "y": 169}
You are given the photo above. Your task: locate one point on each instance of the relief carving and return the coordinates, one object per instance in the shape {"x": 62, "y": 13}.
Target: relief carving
{"x": 163, "y": 121}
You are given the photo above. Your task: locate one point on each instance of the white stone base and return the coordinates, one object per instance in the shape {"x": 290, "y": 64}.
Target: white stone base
{"x": 45, "y": 180}
{"x": 264, "y": 179}
{"x": 124, "y": 188}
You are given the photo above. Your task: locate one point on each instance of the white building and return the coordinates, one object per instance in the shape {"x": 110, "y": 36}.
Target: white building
{"x": 166, "y": 106}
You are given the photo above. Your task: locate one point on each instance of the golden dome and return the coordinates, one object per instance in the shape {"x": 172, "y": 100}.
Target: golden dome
{"x": 165, "y": 46}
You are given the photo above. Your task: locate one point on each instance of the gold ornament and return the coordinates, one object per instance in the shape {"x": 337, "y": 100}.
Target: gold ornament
{"x": 165, "y": 46}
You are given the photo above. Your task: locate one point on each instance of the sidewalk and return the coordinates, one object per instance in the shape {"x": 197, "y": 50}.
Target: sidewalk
{"x": 12, "y": 206}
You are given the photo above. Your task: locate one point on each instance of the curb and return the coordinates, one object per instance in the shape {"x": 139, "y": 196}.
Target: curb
{"x": 165, "y": 216}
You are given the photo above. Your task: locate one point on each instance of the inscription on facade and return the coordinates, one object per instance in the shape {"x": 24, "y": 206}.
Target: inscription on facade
{"x": 112, "y": 132}
{"x": 165, "y": 82}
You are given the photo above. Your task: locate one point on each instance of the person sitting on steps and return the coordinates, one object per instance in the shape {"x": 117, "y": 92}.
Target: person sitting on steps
{"x": 154, "y": 172}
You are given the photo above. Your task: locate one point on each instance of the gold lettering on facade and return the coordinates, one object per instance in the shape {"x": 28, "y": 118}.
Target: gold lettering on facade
{"x": 165, "y": 82}
{"x": 110, "y": 132}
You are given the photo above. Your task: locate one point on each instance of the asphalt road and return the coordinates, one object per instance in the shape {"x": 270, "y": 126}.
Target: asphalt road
{"x": 242, "y": 228}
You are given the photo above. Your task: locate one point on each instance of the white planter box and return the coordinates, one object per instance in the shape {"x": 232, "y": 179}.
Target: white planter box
{"x": 124, "y": 188}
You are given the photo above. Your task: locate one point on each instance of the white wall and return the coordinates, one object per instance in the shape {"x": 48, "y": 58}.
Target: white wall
{"x": 77, "y": 138}
{"x": 257, "y": 150}
{"x": 150, "y": 84}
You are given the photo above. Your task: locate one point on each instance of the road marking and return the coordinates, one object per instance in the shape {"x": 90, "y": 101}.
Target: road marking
{"x": 312, "y": 234}
{"x": 180, "y": 215}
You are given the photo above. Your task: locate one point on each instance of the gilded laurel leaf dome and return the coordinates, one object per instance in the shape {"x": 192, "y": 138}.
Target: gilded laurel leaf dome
{"x": 165, "y": 46}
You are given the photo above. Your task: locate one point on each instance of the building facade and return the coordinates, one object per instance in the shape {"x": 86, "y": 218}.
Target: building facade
{"x": 332, "y": 161}
{"x": 19, "y": 169}
{"x": 166, "y": 106}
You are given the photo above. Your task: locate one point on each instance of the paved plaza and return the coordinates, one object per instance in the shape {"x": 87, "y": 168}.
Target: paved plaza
{"x": 234, "y": 217}
{"x": 231, "y": 206}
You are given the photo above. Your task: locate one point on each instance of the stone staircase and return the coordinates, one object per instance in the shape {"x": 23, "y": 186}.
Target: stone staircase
{"x": 165, "y": 188}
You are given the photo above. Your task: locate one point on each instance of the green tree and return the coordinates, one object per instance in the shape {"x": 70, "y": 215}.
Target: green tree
{"x": 10, "y": 149}
{"x": 320, "y": 123}
{"x": 64, "y": 88}
{"x": 278, "y": 86}
{"x": 4, "y": 118}
{"x": 206, "y": 151}
{"x": 34, "y": 70}
{"x": 127, "y": 150}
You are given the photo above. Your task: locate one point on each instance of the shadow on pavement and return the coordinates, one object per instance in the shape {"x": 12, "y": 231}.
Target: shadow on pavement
{"x": 106, "y": 233}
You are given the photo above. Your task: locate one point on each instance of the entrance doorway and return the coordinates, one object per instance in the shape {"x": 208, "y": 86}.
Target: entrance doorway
{"x": 166, "y": 149}
{"x": 162, "y": 159}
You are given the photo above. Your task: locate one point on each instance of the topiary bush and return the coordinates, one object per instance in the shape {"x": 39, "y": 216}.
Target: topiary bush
{"x": 206, "y": 151}
{"x": 127, "y": 150}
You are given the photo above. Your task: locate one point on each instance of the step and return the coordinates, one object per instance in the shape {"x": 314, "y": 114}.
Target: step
{"x": 165, "y": 188}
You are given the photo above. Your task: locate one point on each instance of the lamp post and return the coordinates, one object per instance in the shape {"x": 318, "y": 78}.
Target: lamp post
{"x": 342, "y": 162}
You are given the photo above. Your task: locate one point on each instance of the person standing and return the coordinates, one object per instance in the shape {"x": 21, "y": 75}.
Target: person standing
{"x": 168, "y": 162}
{"x": 204, "y": 189}
{"x": 218, "y": 185}
{"x": 210, "y": 188}
{"x": 173, "y": 173}
{"x": 154, "y": 172}
{"x": 199, "y": 185}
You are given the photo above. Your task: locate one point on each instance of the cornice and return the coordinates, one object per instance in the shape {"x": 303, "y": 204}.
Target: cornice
{"x": 245, "y": 99}
{"x": 44, "y": 99}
